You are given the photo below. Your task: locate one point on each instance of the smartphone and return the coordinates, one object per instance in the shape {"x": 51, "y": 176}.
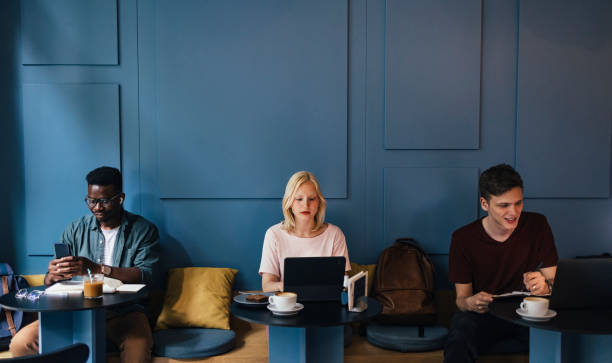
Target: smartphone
{"x": 61, "y": 250}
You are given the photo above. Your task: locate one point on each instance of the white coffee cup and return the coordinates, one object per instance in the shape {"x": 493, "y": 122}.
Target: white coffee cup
{"x": 283, "y": 300}
{"x": 535, "y": 306}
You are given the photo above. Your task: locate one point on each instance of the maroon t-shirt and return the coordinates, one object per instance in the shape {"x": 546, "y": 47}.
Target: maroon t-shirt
{"x": 498, "y": 267}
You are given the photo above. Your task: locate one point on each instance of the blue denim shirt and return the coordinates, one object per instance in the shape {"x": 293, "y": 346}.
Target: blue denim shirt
{"x": 137, "y": 243}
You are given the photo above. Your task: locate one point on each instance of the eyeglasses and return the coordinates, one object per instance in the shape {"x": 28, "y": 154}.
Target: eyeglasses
{"x": 32, "y": 295}
{"x": 91, "y": 202}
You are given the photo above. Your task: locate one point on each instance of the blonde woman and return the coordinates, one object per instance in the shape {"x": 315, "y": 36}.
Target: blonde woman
{"x": 303, "y": 233}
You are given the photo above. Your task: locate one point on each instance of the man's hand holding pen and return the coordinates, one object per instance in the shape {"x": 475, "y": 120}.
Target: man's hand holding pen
{"x": 536, "y": 283}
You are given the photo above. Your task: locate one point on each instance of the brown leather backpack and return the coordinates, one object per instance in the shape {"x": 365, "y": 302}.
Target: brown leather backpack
{"x": 404, "y": 284}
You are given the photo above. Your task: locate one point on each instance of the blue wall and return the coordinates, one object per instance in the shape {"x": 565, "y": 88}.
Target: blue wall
{"x": 208, "y": 107}
{"x": 11, "y": 158}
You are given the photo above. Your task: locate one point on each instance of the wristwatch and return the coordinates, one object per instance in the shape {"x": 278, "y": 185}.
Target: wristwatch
{"x": 106, "y": 270}
{"x": 550, "y": 286}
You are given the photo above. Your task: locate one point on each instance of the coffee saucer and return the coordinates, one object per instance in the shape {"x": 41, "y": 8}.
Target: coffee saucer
{"x": 549, "y": 315}
{"x": 296, "y": 309}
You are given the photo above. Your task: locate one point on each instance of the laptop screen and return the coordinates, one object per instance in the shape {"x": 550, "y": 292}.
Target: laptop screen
{"x": 582, "y": 283}
{"x": 314, "y": 278}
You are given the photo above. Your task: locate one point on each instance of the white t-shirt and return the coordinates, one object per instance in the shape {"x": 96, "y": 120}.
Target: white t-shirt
{"x": 110, "y": 237}
{"x": 279, "y": 244}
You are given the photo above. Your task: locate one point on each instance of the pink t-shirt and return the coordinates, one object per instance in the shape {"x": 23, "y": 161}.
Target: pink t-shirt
{"x": 279, "y": 244}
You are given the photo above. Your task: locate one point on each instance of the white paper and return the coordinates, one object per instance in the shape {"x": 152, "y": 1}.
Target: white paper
{"x": 63, "y": 289}
{"x": 111, "y": 285}
{"x": 518, "y": 293}
{"x": 130, "y": 287}
{"x": 514, "y": 293}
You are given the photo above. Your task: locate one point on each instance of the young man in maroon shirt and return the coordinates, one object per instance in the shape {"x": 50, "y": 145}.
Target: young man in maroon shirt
{"x": 508, "y": 250}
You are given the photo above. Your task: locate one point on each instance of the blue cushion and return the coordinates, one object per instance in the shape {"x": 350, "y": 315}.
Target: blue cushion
{"x": 406, "y": 338}
{"x": 193, "y": 342}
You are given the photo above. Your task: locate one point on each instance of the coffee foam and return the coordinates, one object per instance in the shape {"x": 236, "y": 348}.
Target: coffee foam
{"x": 286, "y": 294}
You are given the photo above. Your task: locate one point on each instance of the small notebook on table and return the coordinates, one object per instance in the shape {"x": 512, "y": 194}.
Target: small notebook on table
{"x": 112, "y": 285}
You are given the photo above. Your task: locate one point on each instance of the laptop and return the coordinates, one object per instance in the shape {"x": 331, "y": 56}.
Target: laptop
{"x": 583, "y": 283}
{"x": 315, "y": 278}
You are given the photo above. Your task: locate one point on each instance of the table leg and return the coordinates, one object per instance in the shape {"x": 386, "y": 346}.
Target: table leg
{"x": 62, "y": 328}
{"x": 547, "y": 346}
{"x": 325, "y": 344}
{"x": 590, "y": 348}
{"x": 303, "y": 345}
{"x": 286, "y": 344}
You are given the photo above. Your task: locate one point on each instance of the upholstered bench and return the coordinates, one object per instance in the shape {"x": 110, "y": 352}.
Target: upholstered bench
{"x": 192, "y": 342}
{"x": 407, "y": 338}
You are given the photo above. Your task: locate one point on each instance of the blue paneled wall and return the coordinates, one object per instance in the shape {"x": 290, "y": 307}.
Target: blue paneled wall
{"x": 209, "y": 107}
{"x": 86, "y": 115}
{"x": 11, "y": 158}
{"x": 437, "y": 45}
{"x": 564, "y": 106}
{"x": 251, "y": 92}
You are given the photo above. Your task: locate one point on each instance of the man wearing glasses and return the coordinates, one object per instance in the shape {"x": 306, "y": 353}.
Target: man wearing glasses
{"x": 112, "y": 241}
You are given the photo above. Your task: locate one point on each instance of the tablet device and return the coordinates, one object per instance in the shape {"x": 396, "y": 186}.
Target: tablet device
{"x": 61, "y": 250}
{"x": 314, "y": 278}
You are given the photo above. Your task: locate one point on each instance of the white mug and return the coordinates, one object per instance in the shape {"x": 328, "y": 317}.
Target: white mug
{"x": 535, "y": 306}
{"x": 283, "y": 300}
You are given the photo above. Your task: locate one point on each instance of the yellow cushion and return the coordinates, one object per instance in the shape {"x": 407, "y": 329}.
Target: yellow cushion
{"x": 355, "y": 268}
{"x": 35, "y": 280}
{"x": 197, "y": 297}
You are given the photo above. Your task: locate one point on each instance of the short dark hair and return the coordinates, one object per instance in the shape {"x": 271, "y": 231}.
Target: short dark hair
{"x": 105, "y": 175}
{"x": 497, "y": 180}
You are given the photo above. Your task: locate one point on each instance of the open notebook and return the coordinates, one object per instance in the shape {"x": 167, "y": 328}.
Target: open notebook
{"x": 111, "y": 285}
{"x": 76, "y": 287}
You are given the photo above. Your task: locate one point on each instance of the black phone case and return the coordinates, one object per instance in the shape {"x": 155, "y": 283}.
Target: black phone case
{"x": 61, "y": 250}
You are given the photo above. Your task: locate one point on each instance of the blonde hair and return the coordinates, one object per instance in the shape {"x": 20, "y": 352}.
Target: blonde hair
{"x": 295, "y": 182}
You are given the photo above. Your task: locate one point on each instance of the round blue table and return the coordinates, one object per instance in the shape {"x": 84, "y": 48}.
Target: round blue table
{"x": 583, "y": 335}
{"x": 72, "y": 318}
{"x": 316, "y": 334}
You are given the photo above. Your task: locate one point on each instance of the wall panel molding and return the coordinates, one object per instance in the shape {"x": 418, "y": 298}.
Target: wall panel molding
{"x": 564, "y": 122}
{"x": 68, "y": 130}
{"x": 246, "y": 97}
{"x": 433, "y": 53}
{"x": 69, "y": 32}
{"x": 428, "y": 204}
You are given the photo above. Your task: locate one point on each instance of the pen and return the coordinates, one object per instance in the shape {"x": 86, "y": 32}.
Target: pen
{"x": 539, "y": 266}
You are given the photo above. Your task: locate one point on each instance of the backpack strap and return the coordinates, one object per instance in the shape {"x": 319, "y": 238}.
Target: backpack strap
{"x": 412, "y": 242}
{"x": 8, "y": 313}
{"x": 415, "y": 244}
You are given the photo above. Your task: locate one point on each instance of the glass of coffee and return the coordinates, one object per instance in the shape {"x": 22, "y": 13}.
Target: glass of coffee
{"x": 92, "y": 287}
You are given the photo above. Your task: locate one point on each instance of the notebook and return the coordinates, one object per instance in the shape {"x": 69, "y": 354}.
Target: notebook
{"x": 582, "y": 283}
{"x": 314, "y": 278}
